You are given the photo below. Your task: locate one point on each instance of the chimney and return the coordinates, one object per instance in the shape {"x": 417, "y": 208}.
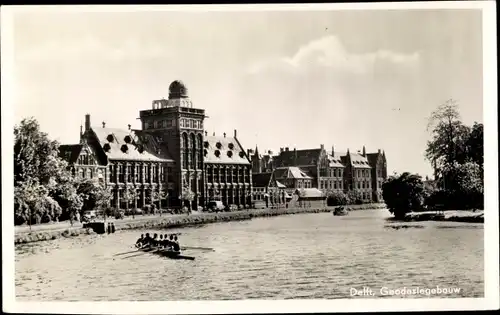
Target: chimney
{"x": 322, "y": 146}
{"x": 214, "y": 134}
{"x": 295, "y": 156}
{"x": 206, "y": 133}
{"x": 224, "y": 134}
{"x": 270, "y": 152}
{"x": 87, "y": 122}
{"x": 287, "y": 149}
{"x": 81, "y": 130}
{"x": 364, "y": 151}
{"x": 129, "y": 126}
{"x": 235, "y": 133}
{"x": 333, "y": 151}
{"x": 378, "y": 151}
{"x": 281, "y": 150}
{"x": 103, "y": 124}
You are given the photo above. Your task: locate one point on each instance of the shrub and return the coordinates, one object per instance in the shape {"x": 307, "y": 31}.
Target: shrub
{"x": 336, "y": 198}
{"x": 403, "y": 194}
{"x": 354, "y": 197}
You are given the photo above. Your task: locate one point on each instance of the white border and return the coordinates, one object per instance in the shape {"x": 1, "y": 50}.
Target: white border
{"x": 491, "y": 299}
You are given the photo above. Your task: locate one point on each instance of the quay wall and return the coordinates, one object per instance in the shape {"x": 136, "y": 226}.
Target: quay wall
{"x": 179, "y": 221}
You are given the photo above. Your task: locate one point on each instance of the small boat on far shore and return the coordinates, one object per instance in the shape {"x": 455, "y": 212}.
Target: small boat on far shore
{"x": 340, "y": 211}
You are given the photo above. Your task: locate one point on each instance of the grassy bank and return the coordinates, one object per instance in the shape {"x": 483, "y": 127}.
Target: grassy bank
{"x": 177, "y": 221}
{"x": 450, "y": 216}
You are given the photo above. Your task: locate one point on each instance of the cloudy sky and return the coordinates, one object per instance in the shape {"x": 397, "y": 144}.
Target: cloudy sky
{"x": 296, "y": 79}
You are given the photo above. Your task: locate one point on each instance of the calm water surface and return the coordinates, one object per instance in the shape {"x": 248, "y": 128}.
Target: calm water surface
{"x": 298, "y": 256}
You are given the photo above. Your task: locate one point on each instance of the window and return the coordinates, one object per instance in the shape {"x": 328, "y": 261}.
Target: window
{"x": 169, "y": 123}
{"x": 146, "y": 125}
{"x": 129, "y": 173}
{"x": 120, "y": 173}
{"x": 155, "y": 173}
{"x": 170, "y": 175}
{"x": 148, "y": 173}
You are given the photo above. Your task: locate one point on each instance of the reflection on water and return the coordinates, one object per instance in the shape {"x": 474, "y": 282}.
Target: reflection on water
{"x": 298, "y": 256}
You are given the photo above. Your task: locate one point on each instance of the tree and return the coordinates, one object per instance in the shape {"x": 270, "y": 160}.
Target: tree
{"x": 403, "y": 194}
{"x": 129, "y": 196}
{"x": 94, "y": 195}
{"x": 465, "y": 185}
{"x": 42, "y": 180}
{"x": 336, "y": 198}
{"x": 474, "y": 144}
{"x": 188, "y": 195}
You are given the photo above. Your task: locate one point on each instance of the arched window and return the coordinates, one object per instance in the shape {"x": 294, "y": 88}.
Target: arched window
{"x": 185, "y": 145}
{"x": 193, "y": 150}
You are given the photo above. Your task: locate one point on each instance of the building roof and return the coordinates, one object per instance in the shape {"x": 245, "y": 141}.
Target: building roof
{"x": 141, "y": 146}
{"x": 261, "y": 179}
{"x": 306, "y": 193}
{"x": 359, "y": 161}
{"x": 70, "y": 152}
{"x": 336, "y": 160}
{"x": 224, "y": 150}
{"x": 291, "y": 172}
{"x": 297, "y": 157}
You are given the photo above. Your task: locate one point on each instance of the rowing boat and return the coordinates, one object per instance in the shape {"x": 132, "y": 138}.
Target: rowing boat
{"x": 165, "y": 253}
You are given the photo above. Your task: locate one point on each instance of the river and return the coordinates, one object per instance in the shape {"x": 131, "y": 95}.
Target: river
{"x": 314, "y": 256}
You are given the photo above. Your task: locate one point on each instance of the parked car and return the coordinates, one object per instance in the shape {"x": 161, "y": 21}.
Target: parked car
{"x": 89, "y": 215}
{"x": 134, "y": 212}
{"x": 216, "y": 206}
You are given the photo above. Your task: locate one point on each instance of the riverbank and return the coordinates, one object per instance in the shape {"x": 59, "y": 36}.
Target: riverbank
{"x": 44, "y": 233}
{"x": 449, "y": 216}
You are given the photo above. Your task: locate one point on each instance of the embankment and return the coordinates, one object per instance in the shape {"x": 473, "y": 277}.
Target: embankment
{"x": 450, "y": 216}
{"x": 177, "y": 221}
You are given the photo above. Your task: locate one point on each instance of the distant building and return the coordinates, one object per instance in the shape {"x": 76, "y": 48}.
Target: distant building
{"x": 171, "y": 154}
{"x": 327, "y": 170}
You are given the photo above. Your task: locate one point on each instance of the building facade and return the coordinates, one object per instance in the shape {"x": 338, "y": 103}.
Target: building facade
{"x": 330, "y": 170}
{"x": 170, "y": 158}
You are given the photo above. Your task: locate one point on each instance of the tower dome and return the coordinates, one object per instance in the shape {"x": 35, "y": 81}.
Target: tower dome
{"x": 177, "y": 89}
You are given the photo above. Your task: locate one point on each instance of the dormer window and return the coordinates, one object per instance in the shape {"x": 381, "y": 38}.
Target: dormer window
{"x": 242, "y": 154}
{"x": 205, "y": 152}
{"x": 110, "y": 138}
{"x": 219, "y": 145}
{"x": 217, "y": 153}
{"x": 230, "y": 153}
{"x": 206, "y": 144}
{"x": 127, "y": 139}
{"x": 106, "y": 147}
{"x": 124, "y": 148}
{"x": 231, "y": 146}
{"x": 140, "y": 148}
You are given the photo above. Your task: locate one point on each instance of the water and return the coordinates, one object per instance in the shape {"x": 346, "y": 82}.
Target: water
{"x": 314, "y": 256}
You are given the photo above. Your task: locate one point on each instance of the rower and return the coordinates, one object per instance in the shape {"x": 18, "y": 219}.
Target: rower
{"x": 155, "y": 240}
{"x": 175, "y": 245}
{"x": 165, "y": 242}
{"x": 170, "y": 242}
{"x": 146, "y": 241}
{"x": 140, "y": 241}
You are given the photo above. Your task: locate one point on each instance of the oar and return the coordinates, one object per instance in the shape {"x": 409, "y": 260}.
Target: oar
{"x": 142, "y": 253}
{"x": 132, "y": 251}
{"x": 200, "y": 248}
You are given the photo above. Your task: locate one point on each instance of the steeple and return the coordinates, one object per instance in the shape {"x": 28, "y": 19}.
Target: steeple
{"x": 256, "y": 151}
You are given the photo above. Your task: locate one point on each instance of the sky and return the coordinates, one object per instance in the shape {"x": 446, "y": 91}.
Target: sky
{"x": 294, "y": 79}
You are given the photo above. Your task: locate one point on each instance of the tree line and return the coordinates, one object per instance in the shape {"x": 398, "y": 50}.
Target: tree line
{"x": 456, "y": 153}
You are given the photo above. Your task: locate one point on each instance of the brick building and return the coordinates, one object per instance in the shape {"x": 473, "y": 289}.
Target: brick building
{"x": 330, "y": 170}
{"x": 171, "y": 154}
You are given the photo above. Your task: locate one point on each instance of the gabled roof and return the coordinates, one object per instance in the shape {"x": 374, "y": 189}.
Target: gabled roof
{"x": 291, "y": 172}
{"x": 142, "y": 146}
{"x": 297, "y": 157}
{"x": 224, "y": 150}
{"x": 73, "y": 150}
{"x": 358, "y": 161}
{"x": 261, "y": 179}
{"x": 336, "y": 160}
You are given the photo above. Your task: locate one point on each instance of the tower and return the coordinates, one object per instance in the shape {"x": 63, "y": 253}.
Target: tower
{"x": 178, "y": 126}
{"x": 256, "y": 162}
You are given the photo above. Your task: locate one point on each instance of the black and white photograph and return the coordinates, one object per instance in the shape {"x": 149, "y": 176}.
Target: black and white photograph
{"x": 195, "y": 159}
